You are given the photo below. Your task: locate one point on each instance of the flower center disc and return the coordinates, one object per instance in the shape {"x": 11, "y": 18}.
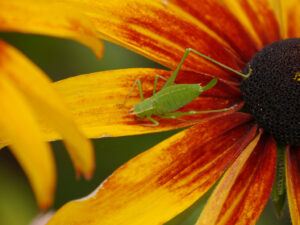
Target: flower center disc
{"x": 272, "y": 92}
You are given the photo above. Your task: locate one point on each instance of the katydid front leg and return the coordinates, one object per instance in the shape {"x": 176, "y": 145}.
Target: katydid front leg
{"x": 138, "y": 81}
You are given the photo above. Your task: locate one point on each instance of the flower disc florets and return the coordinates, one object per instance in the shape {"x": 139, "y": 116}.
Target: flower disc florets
{"x": 272, "y": 92}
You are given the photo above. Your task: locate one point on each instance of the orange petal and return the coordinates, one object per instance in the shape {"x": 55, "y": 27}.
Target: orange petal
{"x": 167, "y": 178}
{"x": 49, "y": 18}
{"x": 162, "y": 30}
{"x": 39, "y": 92}
{"x": 19, "y": 125}
{"x": 258, "y": 17}
{"x": 245, "y": 188}
{"x": 290, "y": 18}
{"x": 222, "y": 22}
{"x": 293, "y": 182}
{"x": 96, "y": 98}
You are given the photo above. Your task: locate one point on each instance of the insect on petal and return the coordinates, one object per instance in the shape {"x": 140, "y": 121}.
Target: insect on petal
{"x": 99, "y": 111}
{"x": 293, "y": 182}
{"x": 19, "y": 124}
{"x": 47, "y": 105}
{"x": 167, "y": 178}
{"x": 245, "y": 188}
{"x": 50, "y": 18}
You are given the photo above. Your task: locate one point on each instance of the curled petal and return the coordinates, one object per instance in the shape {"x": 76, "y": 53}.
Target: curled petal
{"x": 96, "y": 100}
{"x": 47, "y": 104}
{"x": 49, "y": 18}
{"x": 167, "y": 178}
{"x": 162, "y": 30}
{"x": 258, "y": 17}
{"x": 245, "y": 188}
{"x": 19, "y": 125}
{"x": 293, "y": 182}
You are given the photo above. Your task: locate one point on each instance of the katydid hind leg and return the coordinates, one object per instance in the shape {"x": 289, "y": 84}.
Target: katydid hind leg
{"x": 193, "y": 112}
{"x": 172, "y": 78}
{"x": 220, "y": 64}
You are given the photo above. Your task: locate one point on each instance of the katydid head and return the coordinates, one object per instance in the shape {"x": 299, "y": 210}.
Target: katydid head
{"x": 143, "y": 108}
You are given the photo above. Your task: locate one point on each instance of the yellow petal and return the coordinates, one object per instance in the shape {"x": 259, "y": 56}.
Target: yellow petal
{"x": 293, "y": 182}
{"x": 290, "y": 18}
{"x": 96, "y": 100}
{"x": 49, "y": 18}
{"x": 47, "y": 104}
{"x": 245, "y": 188}
{"x": 258, "y": 17}
{"x": 160, "y": 183}
{"x": 19, "y": 125}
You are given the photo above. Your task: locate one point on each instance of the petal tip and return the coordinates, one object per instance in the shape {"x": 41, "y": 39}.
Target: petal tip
{"x": 89, "y": 176}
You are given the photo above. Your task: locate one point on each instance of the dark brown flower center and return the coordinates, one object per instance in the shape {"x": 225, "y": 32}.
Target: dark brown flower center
{"x": 272, "y": 92}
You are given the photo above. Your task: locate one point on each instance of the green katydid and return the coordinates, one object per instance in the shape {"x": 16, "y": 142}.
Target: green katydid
{"x": 174, "y": 96}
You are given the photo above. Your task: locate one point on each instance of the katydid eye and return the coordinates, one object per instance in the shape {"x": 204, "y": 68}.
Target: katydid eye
{"x": 272, "y": 92}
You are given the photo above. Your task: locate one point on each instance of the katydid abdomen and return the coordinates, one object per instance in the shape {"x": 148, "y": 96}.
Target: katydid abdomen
{"x": 168, "y": 100}
{"x": 174, "y": 97}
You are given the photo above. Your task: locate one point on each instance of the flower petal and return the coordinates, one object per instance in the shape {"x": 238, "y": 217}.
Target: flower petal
{"x": 290, "y": 18}
{"x": 258, "y": 17}
{"x": 50, "y": 18}
{"x": 167, "y": 178}
{"x": 19, "y": 125}
{"x": 162, "y": 30}
{"x": 37, "y": 88}
{"x": 293, "y": 182}
{"x": 245, "y": 188}
{"x": 222, "y": 22}
{"x": 96, "y": 98}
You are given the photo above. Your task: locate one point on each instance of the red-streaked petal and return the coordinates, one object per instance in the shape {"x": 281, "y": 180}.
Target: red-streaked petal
{"x": 245, "y": 188}
{"x": 163, "y": 31}
{"x": 290, "y": 18}
{"x": 222, "y": 22}
{"x": 19, "y": 125}
{"x": 49, "y": 18}
{"x": 95, "y": 100}
{"x": 258, "y": 17}
{"x": 37, "y": 88}
{"x": 293, "y": 182}
{"x": 167, "y": 178}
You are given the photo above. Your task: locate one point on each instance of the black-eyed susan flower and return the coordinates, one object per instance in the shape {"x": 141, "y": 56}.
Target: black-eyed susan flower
{"x": 158, "y": 184}
{"x": 28, "y": 97}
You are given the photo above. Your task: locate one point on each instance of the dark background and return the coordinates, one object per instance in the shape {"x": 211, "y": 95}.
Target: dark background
{"x": 61, "y": 59}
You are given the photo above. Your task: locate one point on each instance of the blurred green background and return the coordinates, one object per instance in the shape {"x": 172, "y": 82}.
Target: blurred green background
{"x": 61, "y": 59}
